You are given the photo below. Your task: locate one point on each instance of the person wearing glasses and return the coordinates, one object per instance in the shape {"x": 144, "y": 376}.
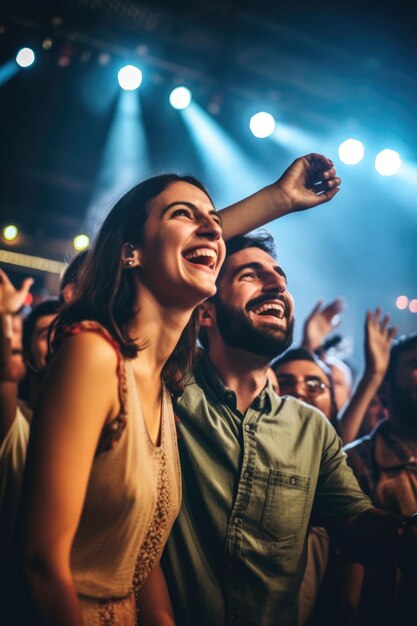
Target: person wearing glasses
{"x": 303, "y": 375}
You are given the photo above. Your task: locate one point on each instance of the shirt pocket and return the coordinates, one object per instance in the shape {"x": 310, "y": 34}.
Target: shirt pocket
{"x": 285, "y": 504}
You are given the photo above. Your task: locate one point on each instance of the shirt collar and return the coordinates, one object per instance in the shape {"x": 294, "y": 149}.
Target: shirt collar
{"x": 263, "y": 403}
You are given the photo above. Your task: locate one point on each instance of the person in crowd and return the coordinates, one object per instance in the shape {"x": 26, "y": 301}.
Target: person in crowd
{"x": 385, "y": 464}
{"x": 254, "y": 463}
{"x": 23, "y": 363}
{"x": 102, "y": 485}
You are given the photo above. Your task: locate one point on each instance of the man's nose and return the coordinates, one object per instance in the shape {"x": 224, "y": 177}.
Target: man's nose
{"x": 274, "y": 282}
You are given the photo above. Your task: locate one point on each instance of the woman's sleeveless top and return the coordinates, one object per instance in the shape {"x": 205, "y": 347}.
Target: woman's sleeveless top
{"x": 133, "y": 495}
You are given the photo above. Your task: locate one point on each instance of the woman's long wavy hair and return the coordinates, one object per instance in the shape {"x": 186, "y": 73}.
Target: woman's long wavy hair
{"x": 106, "y": 293}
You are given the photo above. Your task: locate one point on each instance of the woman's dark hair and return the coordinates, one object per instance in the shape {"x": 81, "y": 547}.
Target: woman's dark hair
{"x": 106, "y": 293}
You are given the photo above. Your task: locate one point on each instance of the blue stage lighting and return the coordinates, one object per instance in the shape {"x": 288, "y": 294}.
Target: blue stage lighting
{"x": 262, "y": 124}
{"x": 351, "y": 151}
{"x": 387, "y": 162}
{"x": 129, "y": 77}
{"x": 25, "y": 57}
{"x": 180, "y": 98}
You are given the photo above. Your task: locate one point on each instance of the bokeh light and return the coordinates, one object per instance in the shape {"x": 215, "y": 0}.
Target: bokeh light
{"x": 81, "y": 242}
{"x": 10, "y": 232}
{"x": 180, "y": 98}
{"x": 413, "y": 305}
{"x": 262, "y": 124}
{"x": 351, "y": 151}
{"x": 387, "y": 162}
{"x": 25, "y": 57}
{"x": 402, "y": 302}
{"x": 129, "y": 77}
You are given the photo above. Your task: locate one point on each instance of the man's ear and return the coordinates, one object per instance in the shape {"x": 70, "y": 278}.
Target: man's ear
{"x": 207, "y": 314}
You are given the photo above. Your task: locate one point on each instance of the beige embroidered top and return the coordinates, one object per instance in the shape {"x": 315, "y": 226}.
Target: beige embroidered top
{"x": 132, "y": 499}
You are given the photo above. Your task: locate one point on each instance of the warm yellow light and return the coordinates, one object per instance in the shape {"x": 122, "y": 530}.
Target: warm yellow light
{"x": 10, "y": 232}
{"x": 31, "y": 262}
{"x": 81, "y": 242}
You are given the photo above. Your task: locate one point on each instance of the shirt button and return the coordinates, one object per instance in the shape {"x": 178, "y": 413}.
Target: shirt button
{"x": 292, "y": 480}
{"x": 236, "y": 520}
{"x": 246, "y": 475}
{"x": 247, "y": 428}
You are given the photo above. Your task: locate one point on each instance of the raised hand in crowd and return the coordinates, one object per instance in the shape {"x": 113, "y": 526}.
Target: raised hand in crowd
{"x": 378, "y": 340}
{"x": 321, "y": 321}
{"x": 11, "y": 298}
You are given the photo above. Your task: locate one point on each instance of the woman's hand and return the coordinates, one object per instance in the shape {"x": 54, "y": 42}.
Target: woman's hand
{"x": 309, "y": 181}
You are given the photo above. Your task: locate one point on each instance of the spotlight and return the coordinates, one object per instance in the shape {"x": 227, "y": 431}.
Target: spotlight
{"x": 81, "y": 242}
{"x": 402, "y": 302}
{"x": 180, "y": 98}
{"x": 387, "y": 162}
{"x": 262, "y": 124}
{"x": 25, "y": 57}
{"x": 10, "y": 232}
{"x": 351, "y": 151}
{"x": 413, "y": 305}
{"x": 129, "y": 77}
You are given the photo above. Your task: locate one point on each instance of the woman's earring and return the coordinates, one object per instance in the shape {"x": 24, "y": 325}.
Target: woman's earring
{"x": 129, "y": 262}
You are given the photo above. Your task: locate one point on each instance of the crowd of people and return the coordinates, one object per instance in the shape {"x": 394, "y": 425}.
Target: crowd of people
{"x": 166, "y": 456}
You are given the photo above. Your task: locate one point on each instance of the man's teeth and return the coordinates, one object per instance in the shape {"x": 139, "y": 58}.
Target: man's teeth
{"x": 268, "y": 307}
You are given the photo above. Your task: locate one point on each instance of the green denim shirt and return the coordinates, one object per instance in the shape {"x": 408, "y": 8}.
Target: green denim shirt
{"x": 237, "y": 551}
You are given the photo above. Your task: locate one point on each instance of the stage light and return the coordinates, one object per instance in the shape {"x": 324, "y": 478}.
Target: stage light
{"x": 402, "y": 302}
{"x": 387, "y": 162}
{"x": 81, "y": 242}
{"x": 129, "y": 77}
{"x": 180, "y": 98}
{"x": 25, "y": 57}
{"x": 413, "y": 305}
{"x": 10, "y": 232}
{"x": 351, "y": 151}
{"x": 262, "y": 124}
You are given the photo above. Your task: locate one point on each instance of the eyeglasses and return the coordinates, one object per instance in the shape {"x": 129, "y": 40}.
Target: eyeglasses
{"x": 313, "y": 385}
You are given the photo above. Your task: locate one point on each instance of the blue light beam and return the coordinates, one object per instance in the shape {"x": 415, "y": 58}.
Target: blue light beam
{"x": 125, "y": 159}
{"x": 228, "y": 170}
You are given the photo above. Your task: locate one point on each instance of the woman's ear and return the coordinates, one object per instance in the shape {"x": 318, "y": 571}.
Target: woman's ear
{"x": 207, "y": 314}
{"x": 130, "y": 256}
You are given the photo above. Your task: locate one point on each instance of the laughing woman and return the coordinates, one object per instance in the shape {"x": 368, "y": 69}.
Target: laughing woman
{"x": 102, "y": 483}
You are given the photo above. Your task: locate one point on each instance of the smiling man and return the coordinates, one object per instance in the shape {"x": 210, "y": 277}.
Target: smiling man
{"x": 253, "y": 463}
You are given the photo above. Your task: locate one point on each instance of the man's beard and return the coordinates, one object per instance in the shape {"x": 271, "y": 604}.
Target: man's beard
{"x": 238, "y": 331}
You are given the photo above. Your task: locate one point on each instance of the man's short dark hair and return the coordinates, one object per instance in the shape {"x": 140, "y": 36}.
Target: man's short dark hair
{"x": 47, "y": 307}
{"x": 399, "y": 346}
{"x": 258, "y": 239}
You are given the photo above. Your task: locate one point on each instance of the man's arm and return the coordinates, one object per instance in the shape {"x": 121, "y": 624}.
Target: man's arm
{"x": 376, "y": 538}
{"x": 310, "y": 181}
